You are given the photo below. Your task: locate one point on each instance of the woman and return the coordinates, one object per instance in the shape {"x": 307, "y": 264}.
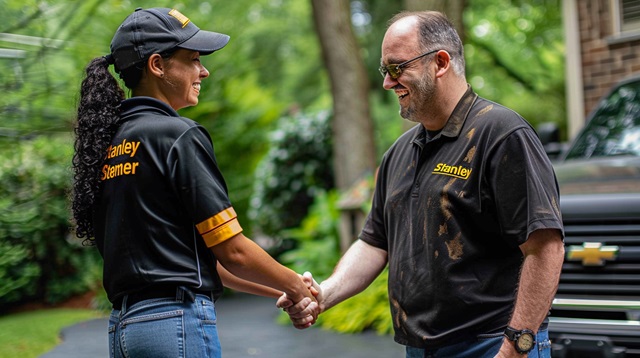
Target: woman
{"x": 148, "y": 192}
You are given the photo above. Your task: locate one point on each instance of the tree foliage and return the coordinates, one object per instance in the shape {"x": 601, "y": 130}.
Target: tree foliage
{"x": 271, "y": 69}
{"x": 515, "y": 56}
{"x": 39, "y": 84}
{"x": 38, "y": 258}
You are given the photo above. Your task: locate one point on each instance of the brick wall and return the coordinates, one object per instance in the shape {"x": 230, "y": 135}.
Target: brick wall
{"x": 605, "y": 60}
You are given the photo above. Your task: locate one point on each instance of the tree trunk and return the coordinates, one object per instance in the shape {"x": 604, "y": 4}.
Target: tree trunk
{"x": 353, "y": 148}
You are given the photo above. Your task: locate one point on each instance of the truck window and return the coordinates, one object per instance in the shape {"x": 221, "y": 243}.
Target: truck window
{"x": 614, "y": 128}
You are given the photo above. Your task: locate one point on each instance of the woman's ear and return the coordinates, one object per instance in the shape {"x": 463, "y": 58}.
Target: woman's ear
{"x": 156, "y": 65}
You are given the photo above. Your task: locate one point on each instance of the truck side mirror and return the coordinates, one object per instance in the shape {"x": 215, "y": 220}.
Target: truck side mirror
{"x": 549, "y": 135}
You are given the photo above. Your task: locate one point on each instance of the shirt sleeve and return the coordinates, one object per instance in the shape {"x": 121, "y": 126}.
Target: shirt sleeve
{"x": 524, "y": 185}
{"x": 374, "y": 231}
{"x": 201, "y": 186}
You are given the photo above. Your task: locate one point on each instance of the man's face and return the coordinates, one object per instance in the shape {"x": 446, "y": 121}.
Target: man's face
{"x": 422, "y": 91}
{"x": 415, "y": 87}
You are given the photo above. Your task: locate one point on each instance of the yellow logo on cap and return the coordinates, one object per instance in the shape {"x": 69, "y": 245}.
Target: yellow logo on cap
{"x": 178, "y": 15}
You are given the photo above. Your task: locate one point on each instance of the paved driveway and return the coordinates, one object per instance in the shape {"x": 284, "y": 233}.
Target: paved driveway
{"x": 247, "y": 328}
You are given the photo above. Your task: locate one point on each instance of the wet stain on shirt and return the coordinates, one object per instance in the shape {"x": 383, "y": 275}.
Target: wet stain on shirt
{"x": 556, "y": 207}
{"x": 442, "y": 229}
{"x": 485, "y": 110}
{"x": 470, "y": 154}
{"x": 470, "y": 133}
{"x": 455, "y": 248}
{"x": 445, "y": 203}
{"x": 504, "y": 159}
{"x": 399, "y": 314}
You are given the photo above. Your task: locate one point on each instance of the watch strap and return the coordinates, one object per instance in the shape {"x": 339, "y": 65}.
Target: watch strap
{"x": 511, "y": 333}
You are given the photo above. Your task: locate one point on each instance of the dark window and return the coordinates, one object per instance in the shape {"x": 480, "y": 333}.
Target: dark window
{"x": 630, "y": 15}
{"x": 614, "y": 128}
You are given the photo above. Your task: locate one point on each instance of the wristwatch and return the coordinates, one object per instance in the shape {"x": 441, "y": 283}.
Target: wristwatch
{"x": 523, "y": 340}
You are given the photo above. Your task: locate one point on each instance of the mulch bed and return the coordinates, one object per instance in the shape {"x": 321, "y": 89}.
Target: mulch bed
{"x": 80, "y": 301}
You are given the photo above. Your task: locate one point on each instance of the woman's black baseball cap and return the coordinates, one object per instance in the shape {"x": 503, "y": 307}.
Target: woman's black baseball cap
{"x": 158, "y": 30}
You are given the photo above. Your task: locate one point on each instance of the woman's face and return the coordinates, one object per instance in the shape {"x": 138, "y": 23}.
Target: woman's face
{"x": 182, "y": 78}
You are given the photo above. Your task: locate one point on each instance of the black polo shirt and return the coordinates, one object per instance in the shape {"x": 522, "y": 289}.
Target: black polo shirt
{"x": 451, "y": 212}
{"x": 163, "y": 203}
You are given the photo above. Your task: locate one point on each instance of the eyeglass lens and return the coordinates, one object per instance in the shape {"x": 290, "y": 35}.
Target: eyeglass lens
{"x": 395, "y": 70}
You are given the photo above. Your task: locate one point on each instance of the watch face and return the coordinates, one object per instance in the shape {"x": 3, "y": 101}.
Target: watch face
{"x": 525, "y": 342}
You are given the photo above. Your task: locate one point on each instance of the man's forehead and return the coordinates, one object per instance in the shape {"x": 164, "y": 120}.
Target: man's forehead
{"x": 400, "y": 38}
{"x": 404, "y": 25}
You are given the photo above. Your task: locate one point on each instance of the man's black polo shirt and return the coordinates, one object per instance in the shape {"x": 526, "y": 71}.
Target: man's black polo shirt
{"x": 451, "y": 212}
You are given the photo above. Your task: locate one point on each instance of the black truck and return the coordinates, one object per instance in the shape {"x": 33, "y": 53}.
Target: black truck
{"x": 596, "y": 312}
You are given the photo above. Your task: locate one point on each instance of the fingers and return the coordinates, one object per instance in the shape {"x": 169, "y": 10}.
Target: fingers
{"x": 303, "y": 319}
{"x": 303, "y": 314}
{"x": 304, "y": 322}
{"x": 301, "y": 308}
{"x": 284, "y": 301}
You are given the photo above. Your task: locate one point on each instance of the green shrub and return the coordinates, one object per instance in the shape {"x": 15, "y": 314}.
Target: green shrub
{"x": 318, "y": 251}
{"x": 293, "y": 201}
{"x": 296, "y": 168}
{"x": 318, "y": 248}
{"x": 16, "y": 271}
{"x": 40, "y": 260}
{"x": 366, "y": 310}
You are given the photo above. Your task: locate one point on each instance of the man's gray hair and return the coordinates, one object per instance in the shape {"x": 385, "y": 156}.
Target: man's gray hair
{"x": 437, "y": 33}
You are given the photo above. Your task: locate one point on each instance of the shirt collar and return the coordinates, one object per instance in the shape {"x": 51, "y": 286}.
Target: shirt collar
{"x": 455, "y": 122}
{"x": 143, "y": 104}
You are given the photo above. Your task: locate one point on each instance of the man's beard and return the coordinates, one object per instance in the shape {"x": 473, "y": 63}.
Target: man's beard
{"x": 422, "y": 95}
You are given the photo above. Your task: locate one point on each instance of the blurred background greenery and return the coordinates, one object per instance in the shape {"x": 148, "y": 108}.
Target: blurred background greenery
{"x": 269, "y": 105}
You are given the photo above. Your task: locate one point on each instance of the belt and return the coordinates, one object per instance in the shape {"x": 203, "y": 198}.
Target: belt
{"x": 171, "y": 292}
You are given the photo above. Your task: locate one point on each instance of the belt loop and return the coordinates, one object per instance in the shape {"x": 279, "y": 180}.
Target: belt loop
{"x": 123, "y": 308}
{"x": 180, "y": 294}
{"x": 185, "y": 294}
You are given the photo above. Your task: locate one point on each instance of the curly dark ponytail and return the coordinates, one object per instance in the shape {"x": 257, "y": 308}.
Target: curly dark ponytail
{"x": 97, "y": 121}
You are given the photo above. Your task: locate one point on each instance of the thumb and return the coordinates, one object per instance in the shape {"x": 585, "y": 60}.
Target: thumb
{"x": 313, "y": 286}
{"x": 307, "y": 278}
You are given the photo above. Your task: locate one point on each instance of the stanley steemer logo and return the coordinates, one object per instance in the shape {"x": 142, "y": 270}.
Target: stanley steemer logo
{"x": 452, "y": 171}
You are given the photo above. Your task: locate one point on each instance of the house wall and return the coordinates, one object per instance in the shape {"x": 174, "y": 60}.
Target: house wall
{"x": 607, "y": 56}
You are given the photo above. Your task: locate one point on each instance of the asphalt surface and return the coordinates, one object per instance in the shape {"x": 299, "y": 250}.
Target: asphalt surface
{"x": 247, "y": 328}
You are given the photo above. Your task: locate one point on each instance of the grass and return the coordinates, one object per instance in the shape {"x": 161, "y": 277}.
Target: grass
{"x": 31, "y": 334}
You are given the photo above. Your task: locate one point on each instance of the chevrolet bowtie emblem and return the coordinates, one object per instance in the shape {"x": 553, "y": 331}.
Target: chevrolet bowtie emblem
{"x": 592, "y": 253}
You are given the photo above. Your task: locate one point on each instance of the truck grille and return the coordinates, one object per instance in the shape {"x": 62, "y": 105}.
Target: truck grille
{"x": 615, "y": 278}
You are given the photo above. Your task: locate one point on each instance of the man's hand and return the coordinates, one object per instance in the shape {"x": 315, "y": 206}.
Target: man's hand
{"x": 304, "y": 313}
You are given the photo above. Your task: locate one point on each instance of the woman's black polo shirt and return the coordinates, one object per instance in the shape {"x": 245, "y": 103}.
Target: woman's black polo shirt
{"x": 451, "y": 212}
{"x": 163, "y": 203}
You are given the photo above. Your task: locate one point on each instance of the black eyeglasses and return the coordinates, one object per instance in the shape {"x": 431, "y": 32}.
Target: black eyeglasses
{"x": 395, "y": 71}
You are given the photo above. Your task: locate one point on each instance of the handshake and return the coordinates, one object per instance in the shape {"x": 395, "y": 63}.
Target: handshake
{"x": 349, "y": 278}
{"x": 303, "y": 314}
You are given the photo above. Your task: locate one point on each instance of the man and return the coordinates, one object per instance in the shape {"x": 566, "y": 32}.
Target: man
{"x": 465, "y": 212}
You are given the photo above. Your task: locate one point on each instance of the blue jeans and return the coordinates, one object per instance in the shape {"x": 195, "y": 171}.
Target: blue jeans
{"x": 165, "y": 327}
{"x": 485, "y": 346}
